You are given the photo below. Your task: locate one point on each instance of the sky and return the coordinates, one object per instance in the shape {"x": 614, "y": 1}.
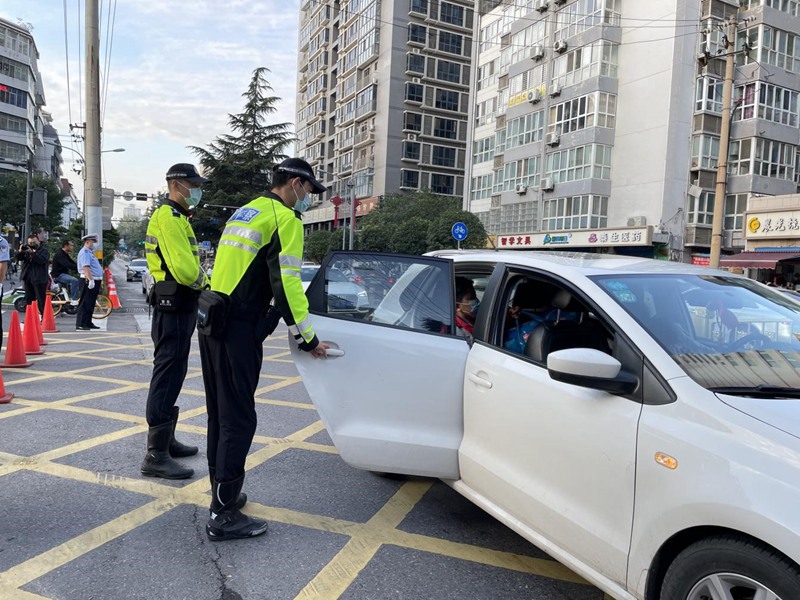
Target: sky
{"x": 175, "y": 71}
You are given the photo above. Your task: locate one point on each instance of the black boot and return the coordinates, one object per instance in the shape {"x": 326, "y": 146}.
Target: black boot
{"x": 229, "y": 523}
{"x": 215, "y": 505}
{"x": 157, "y": 461}
{"x": 176, "y": 449}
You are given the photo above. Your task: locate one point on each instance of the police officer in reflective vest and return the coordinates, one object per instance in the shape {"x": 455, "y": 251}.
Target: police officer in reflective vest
{"x": 258, "y": 261}
{"x": 174, "y": 261}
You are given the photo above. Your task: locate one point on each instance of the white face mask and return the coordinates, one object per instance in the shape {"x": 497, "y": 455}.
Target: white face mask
{"x": 302, "y": 204}
{"x": 194, "y": 197}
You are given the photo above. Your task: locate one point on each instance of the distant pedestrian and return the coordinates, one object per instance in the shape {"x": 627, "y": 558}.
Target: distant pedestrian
{"x": 5, "y": 258}
{"x": 91, "y": 273}
{"x": 173, "y": 259}
{"x": 258, "y": 261}
{"x": 64, "y": 266}
{"x": 35, "y": 258}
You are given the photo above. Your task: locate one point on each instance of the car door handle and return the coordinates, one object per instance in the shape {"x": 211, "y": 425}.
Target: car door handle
{"x": 480, "y": 381}
{"x": 334, "y": 352}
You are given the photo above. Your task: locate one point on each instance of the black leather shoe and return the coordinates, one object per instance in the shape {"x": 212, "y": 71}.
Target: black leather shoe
{"x": 82, "y": 329}
{"x": 92, "y": 326}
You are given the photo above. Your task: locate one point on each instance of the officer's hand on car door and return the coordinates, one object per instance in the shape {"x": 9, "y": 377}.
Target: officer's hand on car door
{"x": 321, "y": 351}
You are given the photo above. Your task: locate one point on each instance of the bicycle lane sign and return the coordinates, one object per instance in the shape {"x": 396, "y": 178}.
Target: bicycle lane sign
{"x": 459, "y": 232}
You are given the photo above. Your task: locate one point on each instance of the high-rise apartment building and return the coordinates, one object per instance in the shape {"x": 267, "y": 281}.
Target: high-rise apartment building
{"x": 596, "y": 123}
{"x": 383, "y": 97}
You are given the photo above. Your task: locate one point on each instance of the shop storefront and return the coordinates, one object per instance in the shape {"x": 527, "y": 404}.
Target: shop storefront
{"x": 636, "y": 241}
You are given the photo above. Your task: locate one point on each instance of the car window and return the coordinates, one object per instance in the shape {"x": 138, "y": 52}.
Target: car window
{"x": 307, "y": 273}
{"x": 539, "y": 315}
{"x": 407, "y": 292}
{"x": 139, "y": 262}
{"x": 719, "y": 329}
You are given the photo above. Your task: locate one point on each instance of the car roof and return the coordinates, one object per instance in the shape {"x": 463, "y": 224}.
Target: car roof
{"x": 586, "y": 263}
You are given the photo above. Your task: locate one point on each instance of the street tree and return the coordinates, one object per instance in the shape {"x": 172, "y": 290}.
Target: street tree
{"x": 12, "y": 202}
{"x": 240, "y": 163}
{"x": 319, "y": 243}
{"x": 417, "y": 222}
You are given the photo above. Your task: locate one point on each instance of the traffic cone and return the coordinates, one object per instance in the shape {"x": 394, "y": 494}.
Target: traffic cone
{"x": 4, "y": 398}
{"x": 38, "y": 321}
{"x": 111, "y": 288}
{"x": 49, "y": 319}
{"x": 30, "y": 333}
{"x": 15, "y": 349}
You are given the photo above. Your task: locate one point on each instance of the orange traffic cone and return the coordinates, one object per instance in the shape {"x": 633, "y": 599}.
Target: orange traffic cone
{"x": 4, "y": 398}
{"x": 15, "y": 350}
{"x": 49, "y": 319}
{"x": 38, "y": 321}
{"x": 111, "y": 288}
{"x": 30, "y": 333}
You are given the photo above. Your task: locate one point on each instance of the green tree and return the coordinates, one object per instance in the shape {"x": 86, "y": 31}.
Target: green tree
{"x": 133, "y": 231}
{"x": 415, "y": 223}
{"x": 319, "y": 243}
{"x": 240, "y": 163}
{"x": 12, "y": 202}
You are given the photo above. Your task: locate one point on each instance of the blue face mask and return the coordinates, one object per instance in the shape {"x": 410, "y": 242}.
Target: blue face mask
{"x": 302, "y": 204}
{"x": 195, "y": 194}
{"x": 473, "y": 305}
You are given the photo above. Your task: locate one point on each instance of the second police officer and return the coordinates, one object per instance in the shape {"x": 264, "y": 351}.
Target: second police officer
{"x": 173, "y": 259}
{"x": 258, "y": 261}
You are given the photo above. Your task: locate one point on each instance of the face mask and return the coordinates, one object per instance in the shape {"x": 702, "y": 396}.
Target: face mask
{"x": 473, "y": 305}
{"x": 302, "y": 204}
{"x": 195, "y": 194}
{"x": 34, "y": 245}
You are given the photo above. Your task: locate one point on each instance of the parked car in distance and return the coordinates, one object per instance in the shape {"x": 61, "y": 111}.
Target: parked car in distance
{"x": 307, "y": 272}
{"x": 136, "y": 269}
{"x": 147, "y": 283}
{"x": 647, "y": 435}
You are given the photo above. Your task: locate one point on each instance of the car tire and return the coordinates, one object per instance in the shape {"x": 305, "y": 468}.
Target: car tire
{"x": 731, "y": 561}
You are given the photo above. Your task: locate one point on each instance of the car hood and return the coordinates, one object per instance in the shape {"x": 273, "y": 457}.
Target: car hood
{"x": 782, "y": 414}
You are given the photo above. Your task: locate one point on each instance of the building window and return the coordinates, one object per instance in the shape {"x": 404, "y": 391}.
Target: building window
{"x": 414, "y": 92}
{"x": 13, "y": 96}
{"x": 445, "y": 128}
{"x": 585, "y": 14}
{"x": 518, "y": 173}
{"x": 451, "y": 13}
{"x": 525, "y": 130}
{"x": 599, "y": 58}
{"x": 596, "y": 109}
{"x": 443, "y": 156}
{"x": 575, "y": 212}
{"x": 481, "y": 187}
{"x": 12, "y": 123}
{"x": 768, "y": 102}
{"x": 446, "y": 100}
{"x": 448, "y": 71}
{"x": 450, "y": 42}
{"x": 582, "y": 162}
{"x": 791, "y": 7}
{"x": 442, "y": 184}
{"x": 758, "y": 156}
{"x": 483, "y": 150}
{"x": 701, "y": 209}
{"x": 12, "y": 68}
{"x": 735, "y": 207}
{"x": 412, "y": 121}
{"x": 409, "y": 179}
{"x": 411, "y": 150}
{"x": 417, "y": 33}
{"x": 708, "y": 95}
{"x": 705, "y": 151}
{"x": 14, "y": 152}
{"x": 419, "y": 6}
{"x": 416, "y": 64}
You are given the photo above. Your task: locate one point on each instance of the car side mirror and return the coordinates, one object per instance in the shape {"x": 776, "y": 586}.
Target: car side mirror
{"x": 590, "y": 368}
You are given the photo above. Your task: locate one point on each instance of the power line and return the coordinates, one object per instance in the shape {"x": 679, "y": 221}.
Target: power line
{"x": 110, "y": 24}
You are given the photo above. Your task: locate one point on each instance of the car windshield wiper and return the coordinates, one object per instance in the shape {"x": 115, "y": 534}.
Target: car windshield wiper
{"x": 759, "y": 391}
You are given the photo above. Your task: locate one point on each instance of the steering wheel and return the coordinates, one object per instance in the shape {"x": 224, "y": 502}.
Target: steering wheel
{"x": 757, "y": 338}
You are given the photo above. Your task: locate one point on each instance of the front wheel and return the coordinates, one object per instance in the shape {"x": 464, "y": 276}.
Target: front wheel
{"x": 102, "y": 308}
{"x": 55, "y": 302}
{"x": 20, "y": 304}
{"x": 731, "y": 568}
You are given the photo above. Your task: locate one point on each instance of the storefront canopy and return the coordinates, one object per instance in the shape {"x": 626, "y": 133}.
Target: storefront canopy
{"x": 757, "y": 260}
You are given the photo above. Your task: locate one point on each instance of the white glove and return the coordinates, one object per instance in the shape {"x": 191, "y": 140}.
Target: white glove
{"x": 90, "y": 285}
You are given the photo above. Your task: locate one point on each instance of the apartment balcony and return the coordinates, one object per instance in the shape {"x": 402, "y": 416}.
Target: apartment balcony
{"x": 697, "y": 235}
{"x": 366, "y": 162}
{"x": 366, "y": 136}
{"x": 366, "y": 110}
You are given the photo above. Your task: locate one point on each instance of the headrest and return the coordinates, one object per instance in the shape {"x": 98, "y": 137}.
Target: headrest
{"x": 533, "y": 294}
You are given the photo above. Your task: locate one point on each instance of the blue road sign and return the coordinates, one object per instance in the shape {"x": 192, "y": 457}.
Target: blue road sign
{"x": 205, "y": 245}
{"x": 459, "y": 231}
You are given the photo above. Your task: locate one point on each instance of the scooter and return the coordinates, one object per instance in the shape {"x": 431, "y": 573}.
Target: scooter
{"x": 59, "y": 297}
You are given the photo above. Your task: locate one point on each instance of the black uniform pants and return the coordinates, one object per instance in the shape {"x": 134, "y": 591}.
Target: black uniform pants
{"x": 172, "y": 339}
{"x": 231, "y": 367}
{"x": 35, "y": 291}
{"x": 86, "y": 303}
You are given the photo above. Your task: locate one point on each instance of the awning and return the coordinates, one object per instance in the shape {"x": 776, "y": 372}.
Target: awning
{"x": 757, "y": 260}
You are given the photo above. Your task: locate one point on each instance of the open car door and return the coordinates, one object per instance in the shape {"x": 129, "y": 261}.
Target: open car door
{"x": 391, "y": 391}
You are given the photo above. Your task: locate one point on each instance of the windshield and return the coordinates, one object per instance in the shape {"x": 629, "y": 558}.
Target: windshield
{"x": 725, "y": 332}
{"x": 307, "y": 273}
{"x": 139, "y": 262}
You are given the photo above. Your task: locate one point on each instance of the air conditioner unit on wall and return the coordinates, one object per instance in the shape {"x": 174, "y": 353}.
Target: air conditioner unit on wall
{"x": 541, "y": 5}
{"x": 560, "y": 46}
{"x": 522, "y": 189}
{"x": 638, "y": 221}
{"x": 553, "y": 139}
{"x": 534, "y": 96}
{"x": 547, "y": 184}
{"x": 537, "y": 52}
{"x": 559, "y": 2}
{"x": 555, "y": 90}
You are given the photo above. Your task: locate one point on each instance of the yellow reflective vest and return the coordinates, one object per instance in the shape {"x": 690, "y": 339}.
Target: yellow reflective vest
{"x": 258, "y": 259}
{"x": 171, "y": 248}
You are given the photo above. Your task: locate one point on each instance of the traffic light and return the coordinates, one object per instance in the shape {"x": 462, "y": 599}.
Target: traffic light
{"x": 141, "y": 197}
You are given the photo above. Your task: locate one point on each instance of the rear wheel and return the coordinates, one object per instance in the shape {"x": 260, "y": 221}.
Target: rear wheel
{"x": 56, "y": 303}
{"x": 731, "y": 568}
{"x": 102, "y": 308}
{"x": 21, "y": 304}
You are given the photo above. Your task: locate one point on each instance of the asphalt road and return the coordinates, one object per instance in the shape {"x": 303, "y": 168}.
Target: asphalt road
{"x": 79, "y": 522}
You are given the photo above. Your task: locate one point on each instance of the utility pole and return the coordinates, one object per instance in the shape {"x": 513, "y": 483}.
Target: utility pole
{"x": 28, "y": 192}
{"x": 352, "y": 216}
{"x": 94, "y": 207}
{"x": 724, "y": 143}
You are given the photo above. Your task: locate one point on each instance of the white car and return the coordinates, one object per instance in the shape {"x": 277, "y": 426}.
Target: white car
{"x": 648, "y": 437}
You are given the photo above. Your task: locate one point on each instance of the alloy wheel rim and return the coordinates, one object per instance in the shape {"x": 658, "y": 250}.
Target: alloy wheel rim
{"x": 730, "y": 586}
